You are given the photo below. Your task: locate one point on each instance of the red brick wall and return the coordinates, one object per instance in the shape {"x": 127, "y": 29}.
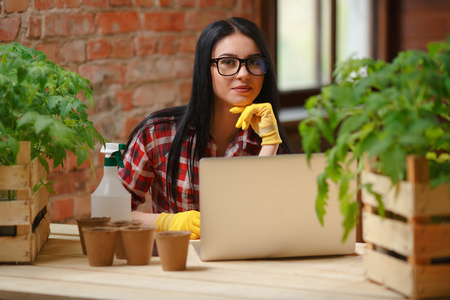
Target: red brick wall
{"x": 139, "y": 55}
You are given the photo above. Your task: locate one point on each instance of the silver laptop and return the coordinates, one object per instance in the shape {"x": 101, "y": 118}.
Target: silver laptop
{"x": 264, "y": 207}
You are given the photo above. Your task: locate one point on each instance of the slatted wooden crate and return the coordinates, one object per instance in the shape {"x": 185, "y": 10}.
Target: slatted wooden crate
{"x": 409, "y": 249}
{"x": 25, "y": 219}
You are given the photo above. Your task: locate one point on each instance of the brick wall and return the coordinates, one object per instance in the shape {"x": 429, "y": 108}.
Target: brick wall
{"x": 139, "y": 55}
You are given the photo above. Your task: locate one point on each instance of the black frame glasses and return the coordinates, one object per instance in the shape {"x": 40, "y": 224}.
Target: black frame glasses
{"x": 241, "y": 61}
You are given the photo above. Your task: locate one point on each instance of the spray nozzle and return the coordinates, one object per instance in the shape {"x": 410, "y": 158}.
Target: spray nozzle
{"x": 113, "y": 154}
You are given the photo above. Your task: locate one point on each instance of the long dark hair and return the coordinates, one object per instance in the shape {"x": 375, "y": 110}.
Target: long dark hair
{"x": 194, "y": 119}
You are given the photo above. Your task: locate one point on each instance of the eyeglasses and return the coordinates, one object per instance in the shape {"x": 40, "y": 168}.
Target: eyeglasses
{"x": 228, "y": 66}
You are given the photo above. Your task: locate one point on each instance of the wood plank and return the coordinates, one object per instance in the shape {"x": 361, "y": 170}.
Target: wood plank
{"x": 15, "y": 213}
{"x": 24, "y": 194}
{"x": 421, "y": 241}
{"x": 24, "y": 229}
{"x": 388, "y": 233}
{"x": 14, "y": 177}
{"x": 431, "y": 201}
{"x": 421, "y": 281}
{"x": 24, "y": 248}
{"x": 39, "y": 201}
{"x": 19, "y": 212}
{"x": 24, "y": 155}
{"x": 389, "y": 272}
{"x": 396, "y": 199}
{"x": 432, "y": 240}
{"x": 417, "y": 169}
{"x": 406, "y": 199}
{"x": 15, "y": 249}
{"x": 432, "y": 281}
{"x": 40, "y": 236}
{"x": 38, "y": 172}
{"x": 42, "y": 289}
{"x": 64, "y": 229}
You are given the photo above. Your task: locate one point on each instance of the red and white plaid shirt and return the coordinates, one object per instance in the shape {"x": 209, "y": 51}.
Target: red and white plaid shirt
{"x": 146, "y": 161}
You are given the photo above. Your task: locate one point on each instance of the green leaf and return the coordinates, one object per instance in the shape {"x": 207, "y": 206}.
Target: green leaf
{"x": 310, "y": 137}
{"x": 40, "y": 56}
{"x": 9, "y": 148}
{"x": 378, "y": 198}
{"x": 434, "y": 133}
{"x": 82, "y": 154}
{"x": 27, "y": 118}
{"x": 44, "y": 163}
{"x": 352, "y": 123}
{"x": 322, "y": 197}
{"x": 381, "y": 145}
{"x": 21, "y": 74}
{"x": 40, "y": 71}
{"x": 311, "y": 102}
{"x": 344, "y": 187}
{"x": 63, "y": 135}
{"x": 325, "y": 129}
{"x": 413, "y": 140}
{"x": 350, "y": 210}
{"x": 342, "y": 95}
{"x": 43, "y": 123}
{"x": 49, "y": 187}
{"x": 66, "y": 107}
{"x": 393, "y": 164}
{"x": 333, "y": 168}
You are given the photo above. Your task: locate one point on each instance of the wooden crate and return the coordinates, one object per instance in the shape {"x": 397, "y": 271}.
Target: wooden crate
{"x": 409, "y": 249}
{"x": 27, "y": 216}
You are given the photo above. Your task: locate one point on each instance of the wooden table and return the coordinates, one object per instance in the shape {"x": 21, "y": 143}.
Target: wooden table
{"x": 62, "y": 271}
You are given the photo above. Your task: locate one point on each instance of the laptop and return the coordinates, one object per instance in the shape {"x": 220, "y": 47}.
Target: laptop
{"x": 264, "y": 207}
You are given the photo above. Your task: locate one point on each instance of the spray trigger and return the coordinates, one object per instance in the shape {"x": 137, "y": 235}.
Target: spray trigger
{"x": 119, "y": 159}
{"x": 113, "y": 154}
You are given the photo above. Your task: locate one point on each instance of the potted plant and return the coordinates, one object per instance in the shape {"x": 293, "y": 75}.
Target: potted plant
{"x": 393, "y": 118}
{"x": 42, "y": 117}
{"x": 40, "y": 104}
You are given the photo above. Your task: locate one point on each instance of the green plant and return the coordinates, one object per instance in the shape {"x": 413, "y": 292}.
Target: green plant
{"x": 382, "y": 111}
{"x": 39, "y": 103}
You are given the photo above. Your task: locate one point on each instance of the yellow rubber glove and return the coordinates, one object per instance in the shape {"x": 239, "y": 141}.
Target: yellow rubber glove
{"x": 260, "y": 116}
{"x": 188, "y": 220}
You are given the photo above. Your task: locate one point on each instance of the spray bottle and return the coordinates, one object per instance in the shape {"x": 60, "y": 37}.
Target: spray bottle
{"x": 111, "y": 199}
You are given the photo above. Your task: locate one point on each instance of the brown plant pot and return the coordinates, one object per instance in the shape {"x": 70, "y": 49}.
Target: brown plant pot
{"x": 90, "y": 222}
{"x": 173, "y": 249}
{"x": 138, "y": 244}
{"x": 100, "y": 245}
{"x": 120, "y": 250}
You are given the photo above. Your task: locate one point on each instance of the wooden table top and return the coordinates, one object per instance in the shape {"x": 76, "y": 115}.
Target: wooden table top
{"x": 61, "y": 271}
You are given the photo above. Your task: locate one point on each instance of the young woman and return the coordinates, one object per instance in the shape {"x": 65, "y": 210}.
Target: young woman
{"x": 232, "y": 112}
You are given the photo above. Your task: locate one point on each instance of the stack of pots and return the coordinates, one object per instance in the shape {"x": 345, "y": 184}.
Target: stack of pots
{"x": 102, "y": 239}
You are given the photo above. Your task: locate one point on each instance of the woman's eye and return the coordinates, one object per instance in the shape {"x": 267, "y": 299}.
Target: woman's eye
{"x": 228, "y": 62}
{"x": 255, "y": 62}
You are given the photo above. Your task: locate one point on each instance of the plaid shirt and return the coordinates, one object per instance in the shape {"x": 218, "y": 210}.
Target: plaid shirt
{"x": 146, "y": 161}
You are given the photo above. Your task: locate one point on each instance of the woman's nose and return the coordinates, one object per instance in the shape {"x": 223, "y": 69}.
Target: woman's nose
{"x": 243, "y": 72}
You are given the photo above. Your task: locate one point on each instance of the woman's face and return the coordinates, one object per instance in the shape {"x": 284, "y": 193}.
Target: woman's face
{"x": 243, "y": 87}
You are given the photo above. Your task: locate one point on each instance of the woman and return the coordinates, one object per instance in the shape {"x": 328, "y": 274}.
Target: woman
{"x": 232, "y": 112}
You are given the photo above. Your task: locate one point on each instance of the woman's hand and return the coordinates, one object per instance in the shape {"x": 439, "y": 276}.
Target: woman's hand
{"x": 188, "y": 220}
{"x": 260, "y": 116}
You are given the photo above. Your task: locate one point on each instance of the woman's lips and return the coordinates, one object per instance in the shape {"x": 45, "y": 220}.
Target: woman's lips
{"x": 242, "y": 89}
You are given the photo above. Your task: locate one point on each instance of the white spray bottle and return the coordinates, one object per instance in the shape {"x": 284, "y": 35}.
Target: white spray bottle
{"x": 111, "y": 199}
